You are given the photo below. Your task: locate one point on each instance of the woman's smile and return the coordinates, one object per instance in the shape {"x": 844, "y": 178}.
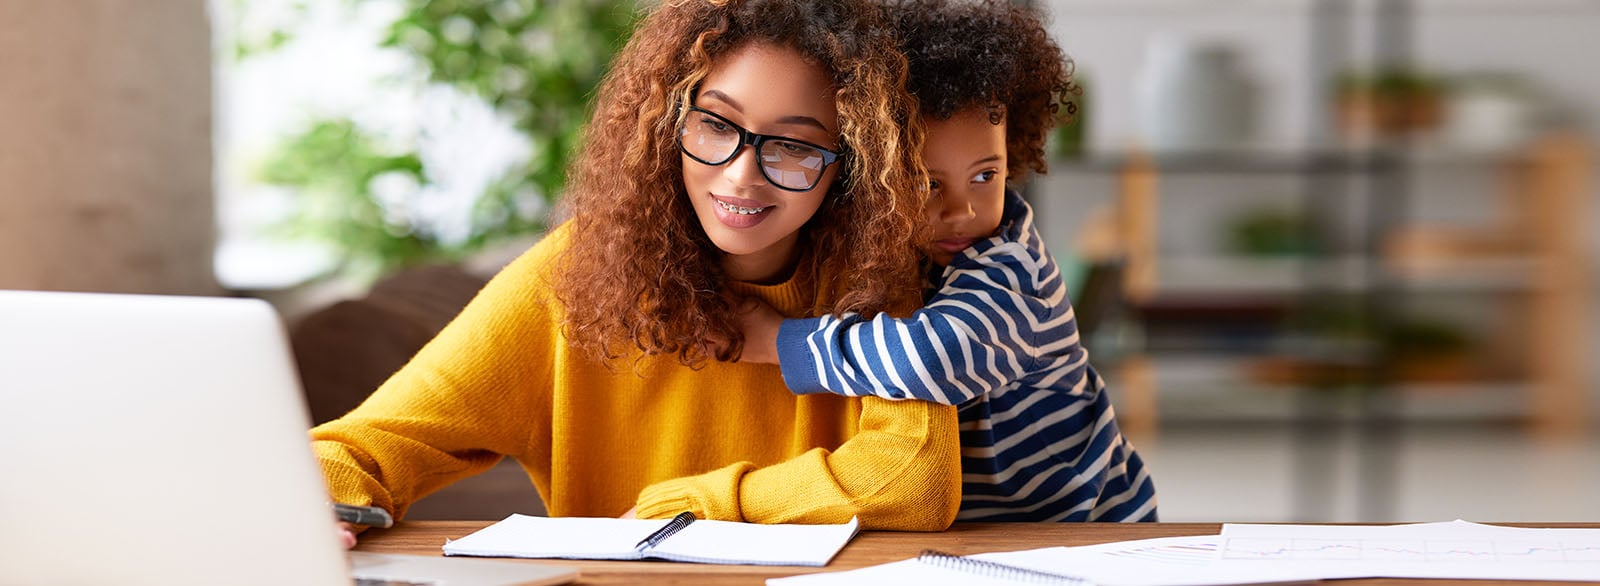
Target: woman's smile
{"x": 738, "y": 212}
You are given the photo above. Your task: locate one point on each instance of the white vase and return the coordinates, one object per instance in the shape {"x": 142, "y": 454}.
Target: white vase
{"x": 1194, "y": 97}
{"x": 1488, "y": 120}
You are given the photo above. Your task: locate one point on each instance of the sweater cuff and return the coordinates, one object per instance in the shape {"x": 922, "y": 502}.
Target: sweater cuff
{"x": 713, "y": 495}
{"x": 795, "y": 359}
{"x": 352, "y": 486}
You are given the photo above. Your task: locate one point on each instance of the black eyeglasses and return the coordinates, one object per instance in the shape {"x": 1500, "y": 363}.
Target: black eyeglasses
{"x": 788, "y": 164}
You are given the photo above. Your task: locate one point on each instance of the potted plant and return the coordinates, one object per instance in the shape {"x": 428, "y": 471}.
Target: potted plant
{"x": 1391, "y": 102}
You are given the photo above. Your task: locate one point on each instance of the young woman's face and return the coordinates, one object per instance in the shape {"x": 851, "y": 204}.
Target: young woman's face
{"x": 772, "y": 91}
{"x": 966, "y": 160}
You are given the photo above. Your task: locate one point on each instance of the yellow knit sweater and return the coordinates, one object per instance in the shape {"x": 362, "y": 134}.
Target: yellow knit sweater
{"x": 727, "y": 441}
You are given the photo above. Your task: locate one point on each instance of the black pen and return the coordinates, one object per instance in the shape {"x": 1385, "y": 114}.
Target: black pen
{"x": 359, "y": 515}
{"x": 675, "y": 525}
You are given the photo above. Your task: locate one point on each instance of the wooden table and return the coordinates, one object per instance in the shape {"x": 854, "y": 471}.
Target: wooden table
{"x": 867, "y": 549}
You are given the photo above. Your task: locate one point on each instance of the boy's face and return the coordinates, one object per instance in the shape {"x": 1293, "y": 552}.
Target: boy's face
{"x": 966, "y": 159}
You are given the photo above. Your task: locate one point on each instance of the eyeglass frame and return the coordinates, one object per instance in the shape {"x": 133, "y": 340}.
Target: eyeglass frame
{"x": 751, "y": 139}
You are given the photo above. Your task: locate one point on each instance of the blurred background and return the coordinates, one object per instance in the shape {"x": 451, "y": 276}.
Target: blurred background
{"x": 1332, "y": 255}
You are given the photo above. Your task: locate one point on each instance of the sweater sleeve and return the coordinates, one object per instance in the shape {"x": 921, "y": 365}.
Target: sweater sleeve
{"x": 451, "y": 411}
{"x": 901, "y": 471}
{"x": 974, "y": 336}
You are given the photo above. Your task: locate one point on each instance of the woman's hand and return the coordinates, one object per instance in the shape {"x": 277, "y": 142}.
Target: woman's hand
{"x": 347, "y": 534}
{"x": 630, "y": 514}
{"x": 760, "y": 323}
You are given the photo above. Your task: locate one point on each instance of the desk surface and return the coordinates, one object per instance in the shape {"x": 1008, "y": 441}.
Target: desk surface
{"x": 867, "y": 549}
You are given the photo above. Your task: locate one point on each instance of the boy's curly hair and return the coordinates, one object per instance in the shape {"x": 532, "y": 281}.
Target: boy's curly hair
{"x": 988, "y": 54}
{"x": 640, "y": 270}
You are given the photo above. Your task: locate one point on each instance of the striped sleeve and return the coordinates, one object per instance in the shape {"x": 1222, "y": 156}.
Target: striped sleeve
{"x": 973, "y": 337}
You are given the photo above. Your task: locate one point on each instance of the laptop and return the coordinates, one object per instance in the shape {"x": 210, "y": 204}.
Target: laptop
{"x": 152, "y": 440}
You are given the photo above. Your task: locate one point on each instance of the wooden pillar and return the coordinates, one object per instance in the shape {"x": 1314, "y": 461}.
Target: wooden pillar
{"x": 105, "y": 146}
{"x": 1136, "y": 217}
{"x": 1561, "y": 346}
{"x": 1137, "y": 207}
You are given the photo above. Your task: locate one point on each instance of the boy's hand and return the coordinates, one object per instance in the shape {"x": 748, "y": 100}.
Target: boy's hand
{"x": 760, "y": 323}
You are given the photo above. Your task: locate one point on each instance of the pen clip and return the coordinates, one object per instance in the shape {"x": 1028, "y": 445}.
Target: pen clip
{"x": 675, "y": 525}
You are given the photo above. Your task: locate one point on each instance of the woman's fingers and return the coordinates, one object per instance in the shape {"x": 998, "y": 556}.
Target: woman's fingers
{"x": 347, "y": 534}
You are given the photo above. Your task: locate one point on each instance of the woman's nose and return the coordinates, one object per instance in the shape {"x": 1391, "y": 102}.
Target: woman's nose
{"x": 745, "y": 168}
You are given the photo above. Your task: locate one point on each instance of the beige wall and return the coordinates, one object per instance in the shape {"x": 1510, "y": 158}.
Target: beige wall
{"x": 105, "y": 146}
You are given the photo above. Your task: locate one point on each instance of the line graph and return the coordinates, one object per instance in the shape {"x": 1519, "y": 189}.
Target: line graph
{"x": 1198, "y": 554}
{"x": 1410, "y": 550}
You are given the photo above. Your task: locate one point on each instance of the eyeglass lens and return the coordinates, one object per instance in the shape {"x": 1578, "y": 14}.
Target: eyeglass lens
{"x": 786, "y": 163}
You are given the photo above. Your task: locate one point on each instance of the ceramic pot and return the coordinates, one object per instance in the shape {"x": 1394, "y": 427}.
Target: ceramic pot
{"x": 1194, "y": 97}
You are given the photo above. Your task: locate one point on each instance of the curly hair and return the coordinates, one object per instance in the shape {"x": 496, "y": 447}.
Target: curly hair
{"x": 989, "y": 54}
{"x": 641, "y": 270}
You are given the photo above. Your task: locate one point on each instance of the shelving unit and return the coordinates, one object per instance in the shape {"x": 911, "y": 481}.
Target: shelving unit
{"x": 1541, "y": 278}
{"x": 1543, "y": 269}
{"x": 1259, "y": 361}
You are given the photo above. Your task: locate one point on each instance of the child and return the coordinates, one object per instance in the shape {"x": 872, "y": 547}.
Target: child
{"x": 1039, "y": 438}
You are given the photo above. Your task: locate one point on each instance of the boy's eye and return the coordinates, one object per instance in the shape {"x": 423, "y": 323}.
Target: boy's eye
{"x": 985, "y": 176}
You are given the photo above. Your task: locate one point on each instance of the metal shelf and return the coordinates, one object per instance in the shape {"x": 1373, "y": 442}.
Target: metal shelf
{"x": 1295, "y": 160}
{"x": 1223, "y": 276}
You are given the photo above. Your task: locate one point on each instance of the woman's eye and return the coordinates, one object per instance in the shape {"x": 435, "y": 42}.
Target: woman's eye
{"x": 933, "y": 186}
{"x": 793, "y": 149}
{"x": 985, "y": 176}
{"x": 714, "y": 125}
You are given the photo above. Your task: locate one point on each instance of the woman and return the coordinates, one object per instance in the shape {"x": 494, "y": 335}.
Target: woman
{"x": 755, "y": 148}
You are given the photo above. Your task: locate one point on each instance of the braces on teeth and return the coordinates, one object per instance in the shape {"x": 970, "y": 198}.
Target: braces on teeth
{"x": 743, "y": 211}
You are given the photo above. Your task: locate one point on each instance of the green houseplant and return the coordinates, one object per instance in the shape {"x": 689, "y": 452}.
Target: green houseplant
{"x": 535, "y": 62}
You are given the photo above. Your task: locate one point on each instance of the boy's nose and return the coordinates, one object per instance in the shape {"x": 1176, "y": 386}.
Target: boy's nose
{"x": 955, "y": 209}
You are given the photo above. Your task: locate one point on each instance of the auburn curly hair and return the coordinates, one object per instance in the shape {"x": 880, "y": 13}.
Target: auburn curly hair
{"x": 641, "y": 271}
{"x": 988, "y": 54}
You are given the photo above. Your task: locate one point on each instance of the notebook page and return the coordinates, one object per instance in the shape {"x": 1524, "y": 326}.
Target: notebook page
{"x": 723, "y": 542}
{"x": 1456, "y": 549}
{"x": 902, "y": 573}
{"x": 522, "y": 536}
{"x": 1162, "y": 561}
{"x": 1167, "y": 561}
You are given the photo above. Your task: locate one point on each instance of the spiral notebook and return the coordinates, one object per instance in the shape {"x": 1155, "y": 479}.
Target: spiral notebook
{"x": 705, "y": 542}
{"x": 933, "y": 568}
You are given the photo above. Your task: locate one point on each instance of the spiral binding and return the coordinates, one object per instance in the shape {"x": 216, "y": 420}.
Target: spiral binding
{"x": 998, "y": 570}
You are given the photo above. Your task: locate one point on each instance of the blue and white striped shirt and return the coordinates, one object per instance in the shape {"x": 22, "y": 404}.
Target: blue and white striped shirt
{"x": 1039, "y": 438}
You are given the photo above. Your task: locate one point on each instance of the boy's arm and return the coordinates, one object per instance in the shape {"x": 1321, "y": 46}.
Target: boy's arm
{"x": 974, "y": 336}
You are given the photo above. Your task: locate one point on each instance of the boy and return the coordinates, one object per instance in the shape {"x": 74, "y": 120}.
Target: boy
{"x": 997, "y": 337}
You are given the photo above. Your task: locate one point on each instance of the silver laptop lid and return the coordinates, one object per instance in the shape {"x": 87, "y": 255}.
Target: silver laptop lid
{"x": 155, "y": 440}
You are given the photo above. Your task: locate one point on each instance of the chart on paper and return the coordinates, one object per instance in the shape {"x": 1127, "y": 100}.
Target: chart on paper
{"x": 1191, "y": 552}
{"x": 1410, "y": 550}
